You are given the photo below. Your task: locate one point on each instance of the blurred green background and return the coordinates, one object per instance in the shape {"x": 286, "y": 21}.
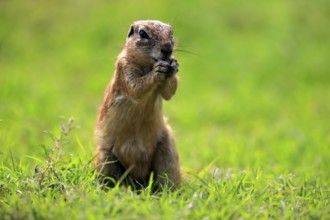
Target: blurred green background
{"x": 254, "y": 83}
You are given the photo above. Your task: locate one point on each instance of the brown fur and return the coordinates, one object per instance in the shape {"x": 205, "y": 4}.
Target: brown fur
{"x": 131, "y": 133}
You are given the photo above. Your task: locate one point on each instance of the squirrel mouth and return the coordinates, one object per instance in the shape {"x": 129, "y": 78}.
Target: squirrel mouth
{"x": 165, "y": 58}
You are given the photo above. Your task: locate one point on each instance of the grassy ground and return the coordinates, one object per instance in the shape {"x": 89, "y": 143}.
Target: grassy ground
{"x": 251, "y": 116}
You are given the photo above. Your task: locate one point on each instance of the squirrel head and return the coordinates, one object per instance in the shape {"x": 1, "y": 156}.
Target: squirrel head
{"x": 149, "y": 41}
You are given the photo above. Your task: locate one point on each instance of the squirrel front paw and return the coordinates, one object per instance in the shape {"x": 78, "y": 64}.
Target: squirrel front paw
{"x": 165, "y": 69}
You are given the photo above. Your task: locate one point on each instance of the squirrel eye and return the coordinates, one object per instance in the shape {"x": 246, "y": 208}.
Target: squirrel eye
{"x": 143, "y": 34}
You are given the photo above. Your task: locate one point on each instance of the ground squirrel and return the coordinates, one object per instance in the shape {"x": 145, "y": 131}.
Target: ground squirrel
{"x": 132, "y": 136}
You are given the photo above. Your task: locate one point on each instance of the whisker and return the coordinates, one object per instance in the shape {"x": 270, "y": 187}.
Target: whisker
{"x": 180, "y": 50}
{"x": 185, "y": 51}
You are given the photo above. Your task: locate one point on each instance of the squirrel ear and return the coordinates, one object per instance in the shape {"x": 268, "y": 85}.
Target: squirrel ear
{"x": 131, "y": 31}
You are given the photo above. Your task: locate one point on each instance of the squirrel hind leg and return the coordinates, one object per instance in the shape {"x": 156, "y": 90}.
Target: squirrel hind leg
{"x": 109, "y": 168}
{"x": 166, "y": 166}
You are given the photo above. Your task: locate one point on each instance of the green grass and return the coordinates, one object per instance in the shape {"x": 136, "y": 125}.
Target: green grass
{"x": 251, "y": 115}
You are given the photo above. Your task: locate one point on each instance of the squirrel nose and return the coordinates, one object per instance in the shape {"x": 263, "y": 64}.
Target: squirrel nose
{"x": 166, "y": 50}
